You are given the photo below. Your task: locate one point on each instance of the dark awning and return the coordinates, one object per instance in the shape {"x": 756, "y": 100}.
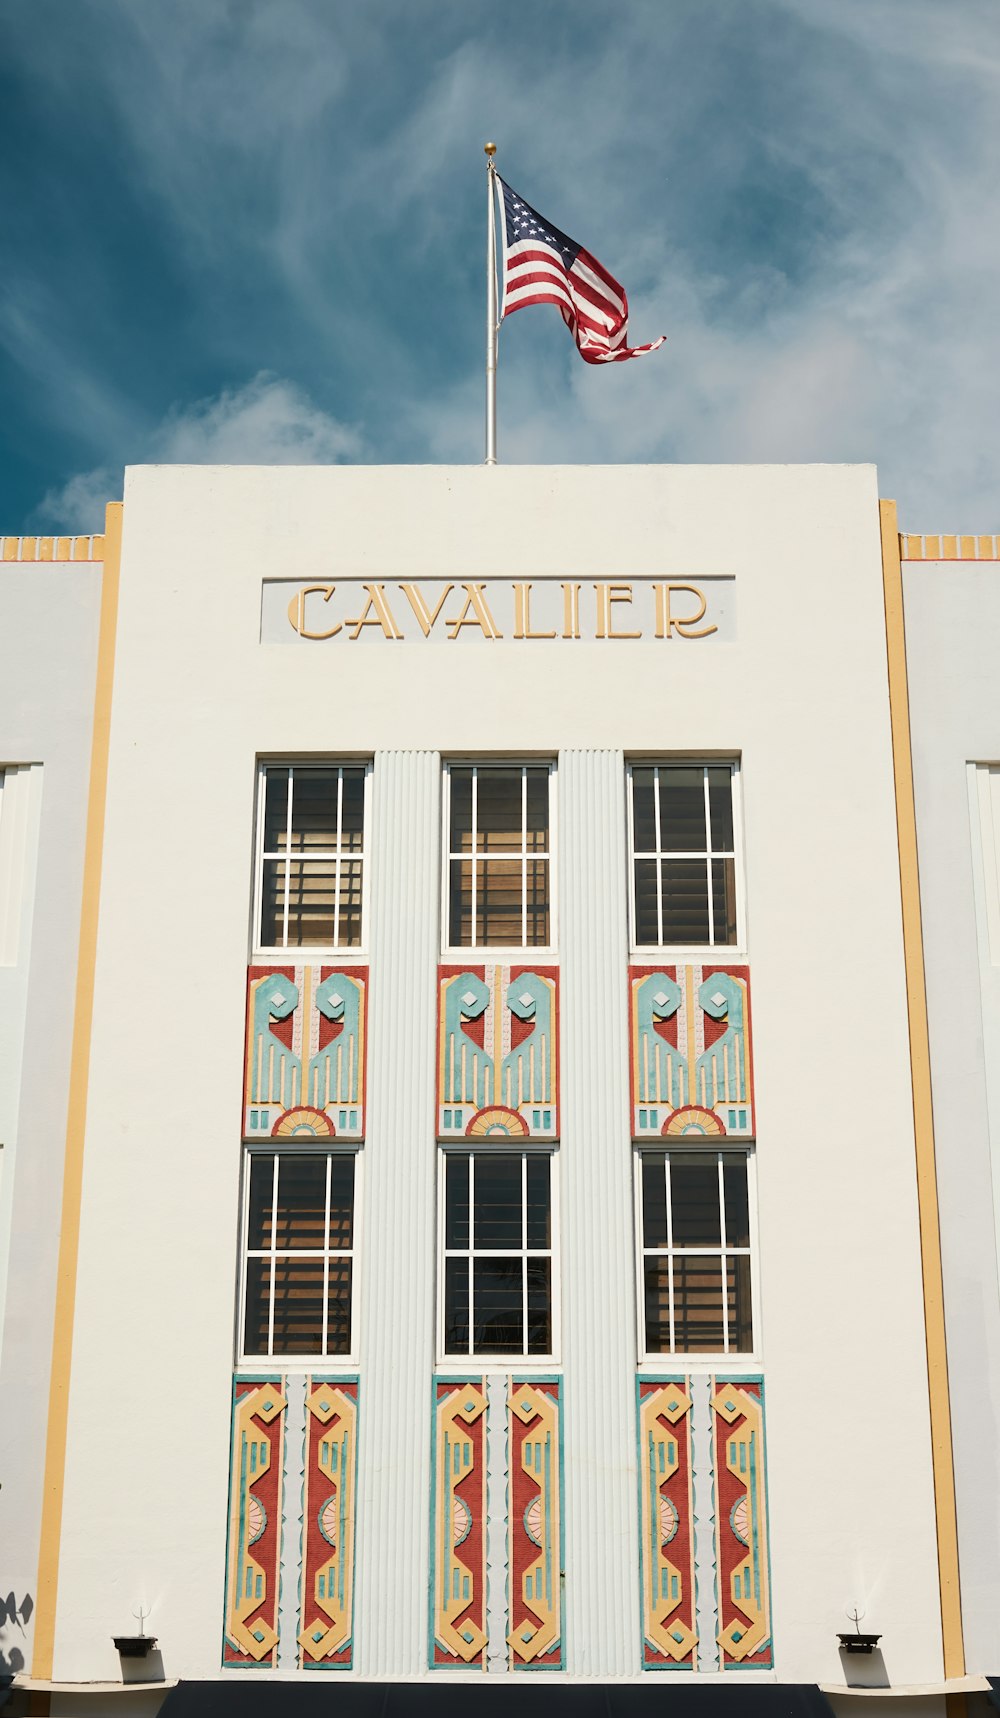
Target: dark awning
{"x": 319, "y": 1694}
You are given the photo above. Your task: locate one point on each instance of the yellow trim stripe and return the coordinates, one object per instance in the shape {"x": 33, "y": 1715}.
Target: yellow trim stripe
{"x": 69, "y": 1235}
{"x": 923, "y": 1116}
{"x": 949, "y": 548}
{"x": 52, "y": 548}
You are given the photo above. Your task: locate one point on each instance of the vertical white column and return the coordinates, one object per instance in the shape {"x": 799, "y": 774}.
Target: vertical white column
{"x": 396, "y": 1242}
{"x": 598, "y": 1294}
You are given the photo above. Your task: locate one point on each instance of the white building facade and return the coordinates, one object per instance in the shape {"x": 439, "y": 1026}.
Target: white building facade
{"x": 499, "y": 1216}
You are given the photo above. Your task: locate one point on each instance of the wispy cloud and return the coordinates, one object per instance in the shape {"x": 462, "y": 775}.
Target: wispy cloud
{"x": 799, "y": 192}
{"x": 269, "y": 421}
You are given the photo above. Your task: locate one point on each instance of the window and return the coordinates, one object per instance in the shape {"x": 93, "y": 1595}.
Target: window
{"x": 683, "y": 868}
{"x": 497, "y": 1253}
{"x": 311, "y": 852}
{"x": 695, "y": 1225}
{"x": 299, "y": 1228}
{"x": 498, "y": 842}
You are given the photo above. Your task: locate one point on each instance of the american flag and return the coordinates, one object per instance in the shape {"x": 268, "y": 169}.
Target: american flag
{"x": 542, "y": 266}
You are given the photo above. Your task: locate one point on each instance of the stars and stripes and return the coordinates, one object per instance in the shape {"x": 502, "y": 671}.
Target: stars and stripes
{"x": 542, "y": 266}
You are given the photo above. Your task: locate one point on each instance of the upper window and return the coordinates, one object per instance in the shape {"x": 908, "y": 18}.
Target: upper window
{"x": 499, "y": 875}
{"x": 310, "y": 855}
{"x": 695, "y": 1289}
{"x": 683, "y": 855}
{"x": 497, "y": 1253}
{"x": 299, "y": 1253}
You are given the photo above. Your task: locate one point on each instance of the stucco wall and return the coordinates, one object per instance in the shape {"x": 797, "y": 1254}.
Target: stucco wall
{"x": 952, "y": 626}
{"x": 800, "y": 692}
{"x": 48, "y": 640}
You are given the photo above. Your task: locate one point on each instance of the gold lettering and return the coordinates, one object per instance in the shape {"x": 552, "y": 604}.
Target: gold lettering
{"x": 420, "y": 609}
{"x": 606, "y": 595}
{"x": 297, "y": 611}
{"x": 476, "y": 600}
{"x": 522, "y": 614}
{"x": 382, "y": 617}
{"x": 571, "y": 611}
{"x": 685, "y": 626}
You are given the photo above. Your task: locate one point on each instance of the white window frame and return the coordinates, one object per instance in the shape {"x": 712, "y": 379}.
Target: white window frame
{"x": 312, "y": 951}
{"x": 711, "y": 950}
{"x": 447, "y": 1361}
{"x": 246, "y": 1359}
{"x": 496, "y": 952}
{"x": 656, "y": 1359}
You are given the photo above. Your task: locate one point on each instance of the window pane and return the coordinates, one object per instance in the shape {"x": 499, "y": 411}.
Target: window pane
{"x": 498, "y": 1311}
{"x": 537, "y": 838}
{"x": 456, "y": 1201}
{"x": 498, "y": 1201}
{"x": 724, "y": 899}
{"x": 257, "y": 1306}
{"x": 301, "y": 1208}
{"x": 685, "y": 901}
{"x": 694, "y": 1199}
{"x": 499, "y": 908}
{"x": 314, "y": 809}
{"x": 298, "y": 1306}
{"x": 657, "y": 1298}
{"x": 460, "y": 904}
{"x": 647, "y": 928}
{"x": 498, "y": 811}
{"x": 734, "y": 1175}
{"x": 697, "y": 1303}
{"x": 654, "y": 1202}
{"x": 275, "y": 809}
{"x": 643, "y": 811}
{"x": 272, "y": 904}
{"x": 740, "y": 1320}
{"x": 538, "y": 1202}
{"x": 261, "y": 1191}
{"x": 338, "y": 1308}
{"x": 342, "y": 1201}
{"x": 539, "y": 1306}
{"x": 311, "y": 884}
{"x": 349, "y": 933}
{"x": 720, "y": 799}
{"x": 460, "y": 835}
{"x": 456, "y": 1306}
{"x": 538, "y": 903}
{"x": 682, "y": 809}
{"x": 352, "y": 814}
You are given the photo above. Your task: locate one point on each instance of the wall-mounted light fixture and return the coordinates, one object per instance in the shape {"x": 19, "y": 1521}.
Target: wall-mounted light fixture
{"x": 858, "y": 1642}
{"x": 135, "y": 1645}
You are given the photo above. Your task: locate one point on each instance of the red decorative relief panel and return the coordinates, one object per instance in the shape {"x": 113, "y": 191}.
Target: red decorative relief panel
{"x": 458, "y": 1525}
{"x": 744, "y": 1596}
{"x": 669, "y": 1640}
{"x": 328, "y": 1517}
{"x": 254, "y": 1548}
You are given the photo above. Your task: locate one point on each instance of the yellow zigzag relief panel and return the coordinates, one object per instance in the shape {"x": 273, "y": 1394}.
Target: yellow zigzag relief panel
{"x": 458, "y": 1525}
{"x": 534, "y": 1525}
{"x": 741, "y": 1524}
{"x": 255, "y": 1486}
{"x": 668, "y": 1588}
{"x": 328, "y": 1515}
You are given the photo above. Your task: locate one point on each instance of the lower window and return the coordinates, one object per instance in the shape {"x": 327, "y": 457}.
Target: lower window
{"x": 498, "y": 1253}
{"x": 695, "y": 1292}
{"x": 299, "y": 1254}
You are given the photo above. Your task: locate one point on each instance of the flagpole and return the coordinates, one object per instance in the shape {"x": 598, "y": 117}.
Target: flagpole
{"x": 491, "y": 309}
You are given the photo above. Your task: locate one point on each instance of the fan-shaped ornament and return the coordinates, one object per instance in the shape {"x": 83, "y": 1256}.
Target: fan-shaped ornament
{"x": 497, "y": 1122}
{"x": 303, "y": 1122}
{"x": 691, "y": 1118}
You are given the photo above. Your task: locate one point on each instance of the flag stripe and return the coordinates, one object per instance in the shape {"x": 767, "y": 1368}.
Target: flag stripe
{"x": 542, "y": 266}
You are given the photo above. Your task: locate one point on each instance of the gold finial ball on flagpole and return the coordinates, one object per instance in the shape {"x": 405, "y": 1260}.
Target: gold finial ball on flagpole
{"x": 490, "y": 149}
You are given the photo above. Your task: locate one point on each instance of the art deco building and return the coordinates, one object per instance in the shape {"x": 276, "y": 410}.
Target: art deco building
{"x": 469, "y": 1222}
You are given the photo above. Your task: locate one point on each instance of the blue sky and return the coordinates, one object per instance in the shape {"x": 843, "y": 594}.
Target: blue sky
{"x": 253, "y": 230}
